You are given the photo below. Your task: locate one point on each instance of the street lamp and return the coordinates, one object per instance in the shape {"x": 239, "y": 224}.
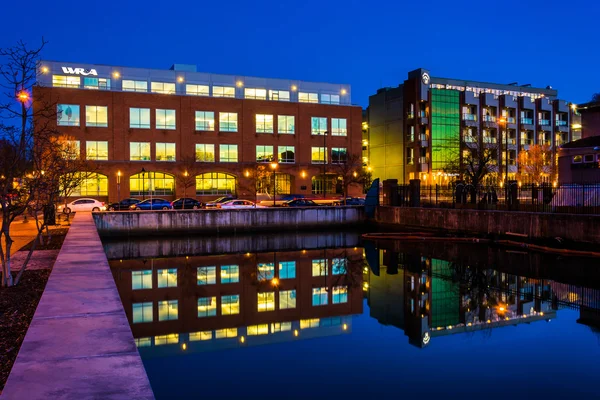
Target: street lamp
{"x": 185, "y": 174}
{"x": 23, "y": 96}
{"x": 119, "y": 188}
{"x": 274, "y": 168}
{"x": 143, "y": 184}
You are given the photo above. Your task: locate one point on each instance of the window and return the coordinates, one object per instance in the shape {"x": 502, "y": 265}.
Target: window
{"x": 165, "y": 119}
{"x": 588, "y": 158}
{"x": 141, "y": 279}
{"x": 228, "y": 153}
{"x": 165, "y": 151}
{"x": 215, "y": 183}
{"x": 157, "y": 183}
{"x": 256, "y": 330}
{"x": 197, "y": 90}
{"x": 265, "y": 271}
{"x": 162, "y": 87}
{"x": 142, "y": 312}
{"x": 287, "y": 299}
{"x": 230, "y": 274}
{"x": 257, "y": 94}
{"x": 264, "y": 123}
{"x": 281, "y": 327}
{"x": 264, "y": 154}
{"x": 318, "y": 126}
{"x": 338, "y": 266}
{"x": 230, "y": 305}
{"x": 143, "y": 342}
{"x": 226, "y": 333}
{"x": 287, "y": 154}
{"x": 66, "y": 81}
{"x": 207, "y": 275}
{"x": 91, "y": 184}
{"x": 96, "y": 150}
{"x": 207, "y": 307}
{"x": 135, "y": 86}
{"x": 309, "y": 323}
{"x": 96, "y": 116}
{"x": 319, "y": 296}
{"x": 96, "y": 83}
{"x": 228, "y": 122}
{"x": 71, "y": 150}
{"x": 205, "y": 152}
{"x": 287, "y": 270}
{"x": 139, "y": 118}
{"x": 167, "y": 277}
{"x": 330, "y": 98}
{"x": 319, "y": 267}
{"x": 286, "y": 124}
{"x": 205, "y": 121}
{"x": 223, "y": 91}
{"x": 168, "y": 310}
{"x": 198, "y": 336}
{"x": 279, "y": 95}
{"x": 172, "y": 338}
{"x": 318, "y": 155}
{"x": 577, "y": 159}
{"x": 338, "y": 155}
{"x": 266, "y": 301}
{"x": 339, "y": 295}
{"x": 338, "y": 127}
{"x": 139, "y": 151}
{"x": 308, "y": 97}
{"x": 67, "y": 115}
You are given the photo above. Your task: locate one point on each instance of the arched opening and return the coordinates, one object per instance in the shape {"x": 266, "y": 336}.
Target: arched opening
{"x": 215, "y": 183}
{"x": 91, "y": 184}
{"x": 157, "y": 183}
{"x": 328, "y": 184}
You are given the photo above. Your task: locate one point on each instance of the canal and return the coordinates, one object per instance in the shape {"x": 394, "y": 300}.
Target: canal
{"x": 327, "y": 315}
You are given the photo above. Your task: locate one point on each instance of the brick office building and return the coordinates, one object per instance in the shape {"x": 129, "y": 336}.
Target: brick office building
{"x": 142, "y": 127}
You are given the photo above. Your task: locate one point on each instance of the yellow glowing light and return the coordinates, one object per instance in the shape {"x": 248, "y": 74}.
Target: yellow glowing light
{"x": 573, "y": 107}
{"x": 180, "y": 79}
{"x": 365, "y": 286}
{"x": 294, "y": 88}
{"x": 184, "y": 347}
{"x": 542, "y": 314}
{"x": 116, "y": 75}
{"x": 242, "y": 339}
{"x": 186, "y": 174}
{"x": 274, "y": 281}
{"x": 489, "y": 321}
{"x": 343, "y": 92}
{"x": 23, "y": 96}
{"x": 501, "y": 309}
{"x": 187, "y": 257}
{"x": 303, "y": 174}
{"x": 295, "y": 332}
{"x": 303, "y": 251}
{"x": 354, "y": 174}
{"x": 576, "y": 126}
{"x": 273, "y": 165}
{"x": 369, "y": 168}
{"x": 118, "y": 173}
{"x": 554, "y": 184}
{"x": 247, "y": 254}
{"x": 247, "y": 173}
{"x": 45, "y": 70}
{"x": 239, "y": 83}
{"x": 345, "y": 327}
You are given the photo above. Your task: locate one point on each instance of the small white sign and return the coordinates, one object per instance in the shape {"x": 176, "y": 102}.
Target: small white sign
{"x": 79, "y": 71}
{"x": 425, "y": 78}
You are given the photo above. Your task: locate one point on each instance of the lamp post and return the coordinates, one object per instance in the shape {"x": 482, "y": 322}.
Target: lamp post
{"x": 504, "y": 121}
{"x": 323, "y": 182}
{"x": 185, "y": 174}
{"x": 119, "y": 189}
{"x": 274, "y": 168}
{"x": 143, "y": 184}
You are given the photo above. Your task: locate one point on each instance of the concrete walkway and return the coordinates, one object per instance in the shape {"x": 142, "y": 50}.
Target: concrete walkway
{"x": 79, "y": 344}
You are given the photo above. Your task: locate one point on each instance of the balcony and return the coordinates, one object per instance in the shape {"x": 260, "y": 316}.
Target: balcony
{"x": 423, "y": 164}
{"x": 470, "y": 119}
{"x": 511, "y": 120}
{"x": 526, "y": 121}
{"x": 562, "y": 125}
{"x": 424, "y": 140}
{"x": 489, "y": 121}
{"x": 526, "y": 142}
{"x": 544, "y": 122}
{"x": 410, "y": 115}
{"x": 423, "y": 118}
{"x": 511, "y": 141}
{"x": 489, "y": 140}
{"x": 545, "y": 142}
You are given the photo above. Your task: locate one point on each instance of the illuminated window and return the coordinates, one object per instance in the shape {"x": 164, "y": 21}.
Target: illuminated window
{"x": 168, "y": 310}
{"x": 287, "y": 154}
{"x": 162, "y": 87}
{"x": 91, "y": 184}
{"x": 96, "y": 83}
{"x": 265, "y": 271}
{"x": 339, "y": 155}
{"x": 228, "y": 122}
{"x": 257, "y": 94}
{"x": 223, "y": 91}
{"x": 339, "y": 127}
{"x": 205, "y": 121}
{"x": 157, "y": 183}
{"x": 281, "y": 327}
{"x": 230, "y": 305}
{"x": 141, "y": 280}
{"x": 287, "y": 270}
{"x": 264, "y": 123}
{"x": 143, "y": 342}
{"x": 197, "y": 90}
{"x": 318, "y": 155}
{"x": 319, "y": 296}
{"x": 167, "y": 277}
{"x": 338, "y": 266}
{"x": 207, "y": 307}
{"x": 205, "y": 152}
{"x": 318, "y": 125}
{"x": 96, "y": 150}
{"x": 66, "y": 81}
{"x": 340, "y": 294}
{"x": 266, "y": 301}
{"x": 226, "y": 333}
{"x": 142, "y": 312}
{"x": 172, "y": 338}
{"x": 139, "y": 151}
{"x": 135, "y": 86}
{"x": 228, "y": 153}
{"x": 207, "y": 275}
{"x": 68, "y": 115}
{"x": 309, "y": 323}
{"x": 215, "y": 183}
{"x": 330, "y": 98}
{"x": 308, "y": 97}
{"x": 139, "y": 118}
{"x": 287, "y": 299}
{"x": 286, "y": 124}
{"x": 264, "y": 154}
{"x": 279, "y": 95}
{"x": 96, "y": 116}
{"x": 198, "y": 336}
{"x": 230, "y": 274}
{"x": 165, "y": 119}
{"x": 165, "y": 151}
{"x": 71, "y": 150}
{"x": 319, "y": 267}
{"x": 255, "y": 330}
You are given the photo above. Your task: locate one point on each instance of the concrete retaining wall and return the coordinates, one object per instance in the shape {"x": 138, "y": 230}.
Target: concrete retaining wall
{"x": 580, "y": 228}
{"x": 223, "y": 221}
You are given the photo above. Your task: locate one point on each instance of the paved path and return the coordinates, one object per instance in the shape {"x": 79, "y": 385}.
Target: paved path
{"x": 79, "y": 344}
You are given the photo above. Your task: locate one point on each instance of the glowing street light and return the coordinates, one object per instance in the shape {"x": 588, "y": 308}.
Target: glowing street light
{"x": 23, "y": 96}
{"x": 274, "y": 168}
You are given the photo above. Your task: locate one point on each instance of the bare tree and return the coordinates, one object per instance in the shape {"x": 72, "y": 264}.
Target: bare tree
{"x": 536, "y": 162}
{"x": 350, "y": 171}
{"x": 186, "y": 176}
{"x": 476, "y": 161}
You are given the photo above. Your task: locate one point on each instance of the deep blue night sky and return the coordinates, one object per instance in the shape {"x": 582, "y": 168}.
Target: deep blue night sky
{"x": 366, "y": 44}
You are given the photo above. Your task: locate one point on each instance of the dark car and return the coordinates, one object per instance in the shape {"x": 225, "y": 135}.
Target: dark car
{"x": 288, "y": 197}
{"x": 186, "y": 203}
{"x": 154, "y": 204}
{"x": 300, "y": 203}
{"x": 213, "y": 204}
{"x": 351, "y": 201}
{"x": 122, "y": 205}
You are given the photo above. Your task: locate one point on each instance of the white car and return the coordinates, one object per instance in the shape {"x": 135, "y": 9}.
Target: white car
{"x": 82, "y": 205}
{"x": 238, "y": 204}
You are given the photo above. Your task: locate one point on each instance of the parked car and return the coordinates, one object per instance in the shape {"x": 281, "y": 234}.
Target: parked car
{"x": 122, "y": 205}
{"x": 186, "y": 203}
{"x": 351, "y": 201}
{"x": 288, "y": 197}
{"x": 300, "y": 203}
{"x": 213, "y": 204}
{"x": 154, "y": 204}
{"x": 82, "y": 205}
{"x": 238, "y": 204}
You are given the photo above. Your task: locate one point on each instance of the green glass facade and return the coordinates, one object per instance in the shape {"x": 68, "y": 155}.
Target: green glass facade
{"x": 445, "y": 295}
{"x": 445, "y": 128}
